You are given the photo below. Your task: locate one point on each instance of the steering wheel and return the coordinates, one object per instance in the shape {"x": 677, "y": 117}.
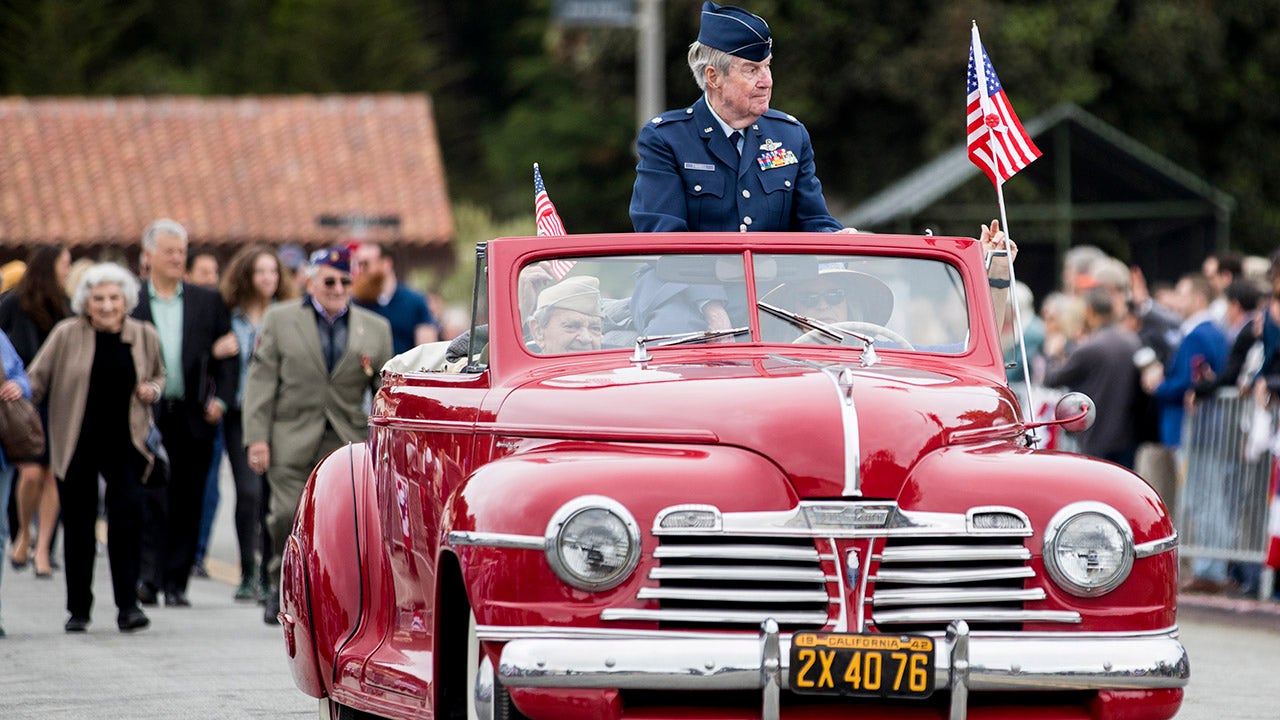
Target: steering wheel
{"x": 865, "y": 328}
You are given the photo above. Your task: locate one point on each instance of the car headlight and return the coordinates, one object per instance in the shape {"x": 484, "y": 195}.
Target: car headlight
{"x": 593, "y": 543}
{"x": 1088, "y": 548}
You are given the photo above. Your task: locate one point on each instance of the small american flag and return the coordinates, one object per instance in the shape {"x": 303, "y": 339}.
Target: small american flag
{"x": 548, "y": 222}
{"x": 998, "y": 144}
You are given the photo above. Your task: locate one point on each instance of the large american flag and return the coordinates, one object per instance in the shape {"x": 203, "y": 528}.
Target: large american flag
{"x": 548, "y": 222}
{"x": 997, "y": 143}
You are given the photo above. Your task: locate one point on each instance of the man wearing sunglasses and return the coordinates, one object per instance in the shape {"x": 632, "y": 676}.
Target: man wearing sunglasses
{"x": 305, "y": 390}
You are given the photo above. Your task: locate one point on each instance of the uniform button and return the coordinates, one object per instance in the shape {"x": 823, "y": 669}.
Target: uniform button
{"x": 742, "y": 228}
{"x": 746, "y": 193}
{"x": 697, "y": 188}
{"x": 787, "y": 183}
{"x": 747, "y": 220}
{"x": 688, "y": 111}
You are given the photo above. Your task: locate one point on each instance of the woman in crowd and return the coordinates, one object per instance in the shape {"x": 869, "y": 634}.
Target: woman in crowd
{"x": 27, "y": 315}
{"x": 100, "y": 371}
{"x": 252, "y": 283}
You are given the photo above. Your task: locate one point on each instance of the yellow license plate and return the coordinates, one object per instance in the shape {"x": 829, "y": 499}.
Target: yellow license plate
{"x": 864, "y": 664}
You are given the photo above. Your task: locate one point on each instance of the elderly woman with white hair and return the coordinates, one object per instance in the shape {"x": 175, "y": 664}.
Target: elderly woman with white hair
{"x": 101, "y": 370}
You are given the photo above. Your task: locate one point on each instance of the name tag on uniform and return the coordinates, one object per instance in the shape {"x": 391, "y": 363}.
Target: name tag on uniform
{"x": 700, "y": 166}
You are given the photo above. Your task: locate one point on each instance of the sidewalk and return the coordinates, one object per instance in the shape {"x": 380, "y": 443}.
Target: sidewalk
{"x": 1265, "y": 610}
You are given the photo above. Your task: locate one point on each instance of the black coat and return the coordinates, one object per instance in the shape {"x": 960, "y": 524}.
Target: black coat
{"x": 205, "y": 318}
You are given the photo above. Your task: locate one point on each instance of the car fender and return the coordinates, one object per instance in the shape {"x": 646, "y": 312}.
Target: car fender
{"x": 326, "y": 568}
{"x": 1039, "y": 483}
{"x": 518, "y": 494}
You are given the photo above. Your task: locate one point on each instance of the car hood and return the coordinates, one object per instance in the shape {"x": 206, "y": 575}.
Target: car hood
{"x": 789, "y": 411}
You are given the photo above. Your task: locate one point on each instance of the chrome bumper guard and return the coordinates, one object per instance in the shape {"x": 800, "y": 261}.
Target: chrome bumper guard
{"x": 640, "y": 660}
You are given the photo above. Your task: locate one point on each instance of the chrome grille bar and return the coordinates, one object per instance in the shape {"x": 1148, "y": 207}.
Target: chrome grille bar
{"x": 947, "y": 576}
{"x": 716, "y": 616}
{"x": 945, "y": 615}
{"x": 934, "y": 596}
{"x": 954, "y": 553}
{"x": 734, "y": 596}
{"x": 744, "y": 572}
{"x": 737, "y": 552}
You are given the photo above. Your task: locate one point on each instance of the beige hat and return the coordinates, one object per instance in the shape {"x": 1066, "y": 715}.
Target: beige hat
{"x": 581, "y": 293}
{"x": 872, "y": 299}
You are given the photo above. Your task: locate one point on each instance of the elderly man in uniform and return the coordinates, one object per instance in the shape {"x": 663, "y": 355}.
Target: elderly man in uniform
{"x": 567, "y": 317}
{"x": 305, "y": 388}
{"x": 727, "y": 163}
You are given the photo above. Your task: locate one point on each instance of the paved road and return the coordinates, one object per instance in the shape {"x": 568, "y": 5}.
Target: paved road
{"x": 213, "y": 660}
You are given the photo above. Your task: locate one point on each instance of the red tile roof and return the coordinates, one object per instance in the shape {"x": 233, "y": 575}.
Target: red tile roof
{"x": 95, "y": 171}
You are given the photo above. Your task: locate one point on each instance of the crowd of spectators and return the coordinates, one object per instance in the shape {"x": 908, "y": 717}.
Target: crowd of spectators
{"x": 141, "y": 380}
{"x": 1148, "y": 355}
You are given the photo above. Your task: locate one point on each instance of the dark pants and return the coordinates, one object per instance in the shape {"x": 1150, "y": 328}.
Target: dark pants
{"x": 173, "y": 511}
{"x": 78, "y": 491}
{"x": 248, "y": 513}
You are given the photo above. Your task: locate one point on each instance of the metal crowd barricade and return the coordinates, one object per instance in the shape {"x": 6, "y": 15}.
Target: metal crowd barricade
{"x": 1222, "y": 502}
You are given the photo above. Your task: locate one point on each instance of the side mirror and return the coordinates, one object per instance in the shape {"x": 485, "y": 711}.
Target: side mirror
{"x": 1075, "y": 412}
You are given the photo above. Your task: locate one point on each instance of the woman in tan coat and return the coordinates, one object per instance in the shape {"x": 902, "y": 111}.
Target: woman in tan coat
{"x": 100, "y": 371}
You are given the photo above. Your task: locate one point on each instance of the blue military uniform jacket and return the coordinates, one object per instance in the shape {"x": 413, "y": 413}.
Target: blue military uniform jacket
{"x": 690, "y": 176}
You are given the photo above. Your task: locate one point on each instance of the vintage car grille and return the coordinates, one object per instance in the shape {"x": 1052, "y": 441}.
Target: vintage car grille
{"x": 922, "y": 584}
{"x": 918, "y": 581}
{"x": 726, "y": 582}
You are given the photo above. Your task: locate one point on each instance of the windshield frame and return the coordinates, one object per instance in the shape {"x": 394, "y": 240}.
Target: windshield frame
{"x": 747, "y": 257}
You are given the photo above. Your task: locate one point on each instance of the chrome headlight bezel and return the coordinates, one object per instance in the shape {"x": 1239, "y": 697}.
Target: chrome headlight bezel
{"x": 564, "y": 517}
{"x": 1053, "y": 535}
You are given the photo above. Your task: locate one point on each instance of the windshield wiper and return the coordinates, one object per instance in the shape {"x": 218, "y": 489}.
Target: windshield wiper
{"x": 838, "y": 334}
{"x": 642, "y": 353}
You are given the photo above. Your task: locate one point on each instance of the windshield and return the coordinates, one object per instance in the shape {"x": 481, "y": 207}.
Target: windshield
{"x": 572, "y": 305}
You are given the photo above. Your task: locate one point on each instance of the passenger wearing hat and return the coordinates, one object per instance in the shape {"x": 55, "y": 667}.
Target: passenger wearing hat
{"x": 305, "y": 388}
{"x": 567, "y": 317}
{"x": 728, "y": 162}
{"x": 836, "y": 295}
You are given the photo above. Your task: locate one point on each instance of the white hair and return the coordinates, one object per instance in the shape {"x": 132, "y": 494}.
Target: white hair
{"x": 151, "y": 236}
{"x": 703, "y": 56}
{"x": 102, "y": 274}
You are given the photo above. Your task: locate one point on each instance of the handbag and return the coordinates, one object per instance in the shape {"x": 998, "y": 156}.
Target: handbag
{"x": 159, "y": 474}
{"x": 21, "y": 431}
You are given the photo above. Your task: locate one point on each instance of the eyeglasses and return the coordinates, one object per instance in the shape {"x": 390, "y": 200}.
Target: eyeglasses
{"x": 830, "y": 297}
{"x": 332, "y": 281}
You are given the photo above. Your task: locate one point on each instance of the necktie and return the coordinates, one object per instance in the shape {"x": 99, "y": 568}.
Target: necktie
{"x": 736, "y": 138}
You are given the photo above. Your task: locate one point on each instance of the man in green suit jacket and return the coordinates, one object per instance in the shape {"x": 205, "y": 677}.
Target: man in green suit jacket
{"x": 305, "y": 390}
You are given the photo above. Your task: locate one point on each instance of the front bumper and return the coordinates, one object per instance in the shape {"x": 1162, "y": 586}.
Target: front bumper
{"x": 640, "y": 660}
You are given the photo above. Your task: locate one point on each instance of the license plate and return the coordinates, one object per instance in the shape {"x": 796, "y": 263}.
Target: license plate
{"x": 863, "y": 664}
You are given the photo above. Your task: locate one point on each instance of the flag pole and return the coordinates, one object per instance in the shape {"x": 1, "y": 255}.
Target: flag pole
{"x": 985, "y": 101}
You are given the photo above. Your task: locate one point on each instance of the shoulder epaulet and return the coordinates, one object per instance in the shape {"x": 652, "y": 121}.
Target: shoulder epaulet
{"x": 672, "y": 116}
{"x": 779, "y": 115}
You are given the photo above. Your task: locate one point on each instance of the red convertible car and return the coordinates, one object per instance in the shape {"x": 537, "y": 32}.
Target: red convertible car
{"x": 726, "y": 476}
